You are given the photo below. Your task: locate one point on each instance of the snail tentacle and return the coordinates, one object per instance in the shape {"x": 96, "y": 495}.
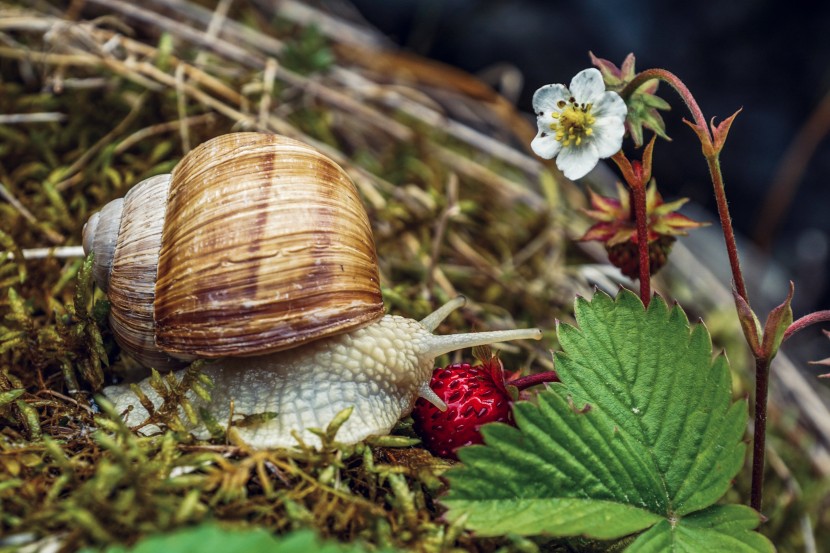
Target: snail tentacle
{"x": 435, "y": 318}
{"x": 429, "y": 394}
{"x": 440, "y": 344}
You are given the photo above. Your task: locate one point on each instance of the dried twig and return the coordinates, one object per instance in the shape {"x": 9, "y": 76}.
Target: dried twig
{"x": 201, "y": 38}
{"x": 217, "y": 21}
{"x": 160, "y": 128}
{"x": 21, "y": 118}
{"x": 61, "y": 252}
{"x": 231, "y": 30}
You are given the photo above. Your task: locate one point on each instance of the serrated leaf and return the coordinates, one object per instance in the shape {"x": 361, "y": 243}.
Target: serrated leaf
{"x": 642, "y": 431}
{"x": 720, "y": 528}
{"x": 654, "y": 378}
{"x": 548, "y": 474}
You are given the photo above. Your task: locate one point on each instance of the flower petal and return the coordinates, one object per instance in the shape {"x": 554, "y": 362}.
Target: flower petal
{"x": 545, "y": 145}
{"x": 576, "y": 162}
{"x": 587, "y": 85}
{"x": 545, "y": 99}
{"x": 609, "y": 104}
{"x": 608, "y": 136}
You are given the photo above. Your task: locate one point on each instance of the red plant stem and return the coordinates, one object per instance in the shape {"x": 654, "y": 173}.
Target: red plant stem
{"x": 534, "y": 379}
{"x": 640, "y": 212}
{"x": 760, "y": 431}
{"x": 805, "y": 321}
{"x": 711, "y": 159}
{"x": 726, "y": 225}
{"x": 638, "y": 195}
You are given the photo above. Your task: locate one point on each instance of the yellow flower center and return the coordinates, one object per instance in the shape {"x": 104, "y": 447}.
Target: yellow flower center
{"x": 573, "y": 123}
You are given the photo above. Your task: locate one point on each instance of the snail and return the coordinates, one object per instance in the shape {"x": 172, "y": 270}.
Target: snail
{"x": 257, "y": 252}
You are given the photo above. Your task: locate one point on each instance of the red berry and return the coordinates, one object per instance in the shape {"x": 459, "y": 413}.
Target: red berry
{"x": 474, "y": 396}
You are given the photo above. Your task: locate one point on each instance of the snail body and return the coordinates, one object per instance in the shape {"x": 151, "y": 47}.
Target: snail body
{"x": 257, "y": 252}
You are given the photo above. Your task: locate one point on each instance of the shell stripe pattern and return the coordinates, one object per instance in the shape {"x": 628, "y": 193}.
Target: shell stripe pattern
{"x": 133, "y": 275}
{"x": 266, "y": 245}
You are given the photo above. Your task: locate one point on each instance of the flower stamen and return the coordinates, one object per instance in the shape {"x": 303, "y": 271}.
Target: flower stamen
{"x": 573, "y": 123}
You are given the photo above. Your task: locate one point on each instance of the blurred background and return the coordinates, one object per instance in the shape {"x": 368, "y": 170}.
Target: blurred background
{"x": 765, "y": 56}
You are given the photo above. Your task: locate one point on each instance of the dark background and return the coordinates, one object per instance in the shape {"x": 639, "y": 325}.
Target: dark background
{"x": 768, "y": 57}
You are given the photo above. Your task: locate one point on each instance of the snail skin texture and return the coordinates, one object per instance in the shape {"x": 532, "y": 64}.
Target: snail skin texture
{"x": 257, "y": 252}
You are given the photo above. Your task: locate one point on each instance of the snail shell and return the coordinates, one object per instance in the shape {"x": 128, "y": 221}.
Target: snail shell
{"x": 256, "y": 243}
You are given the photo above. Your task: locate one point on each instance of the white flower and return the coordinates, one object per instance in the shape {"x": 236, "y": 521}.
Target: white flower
{"x": 580, "y": 125}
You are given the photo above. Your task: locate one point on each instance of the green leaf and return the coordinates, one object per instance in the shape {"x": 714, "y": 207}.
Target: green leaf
{"x": 211, "y": 538}
{"x": 642, "y": 432}
{"x": 591, "y": 518}
{"x": 720, "y": 528}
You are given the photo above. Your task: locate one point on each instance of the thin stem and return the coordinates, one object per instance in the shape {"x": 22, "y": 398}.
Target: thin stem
{"x": 711, "y": 159}
{"x": 726, "y": 226}
{"x": 634, "y": 179}
{"x": 62, "y": 252}
{"x": 760, "y": 431}
{"x": 534, "y": 379}
{"x": 805, "y": 321}
{"x": 638, "y": 196}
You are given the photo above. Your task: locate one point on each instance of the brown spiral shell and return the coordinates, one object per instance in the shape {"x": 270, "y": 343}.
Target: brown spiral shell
{"x": 261, "y": 244}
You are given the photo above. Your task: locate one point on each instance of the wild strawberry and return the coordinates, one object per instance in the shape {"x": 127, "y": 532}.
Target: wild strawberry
{"x": 474, "y": 395}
